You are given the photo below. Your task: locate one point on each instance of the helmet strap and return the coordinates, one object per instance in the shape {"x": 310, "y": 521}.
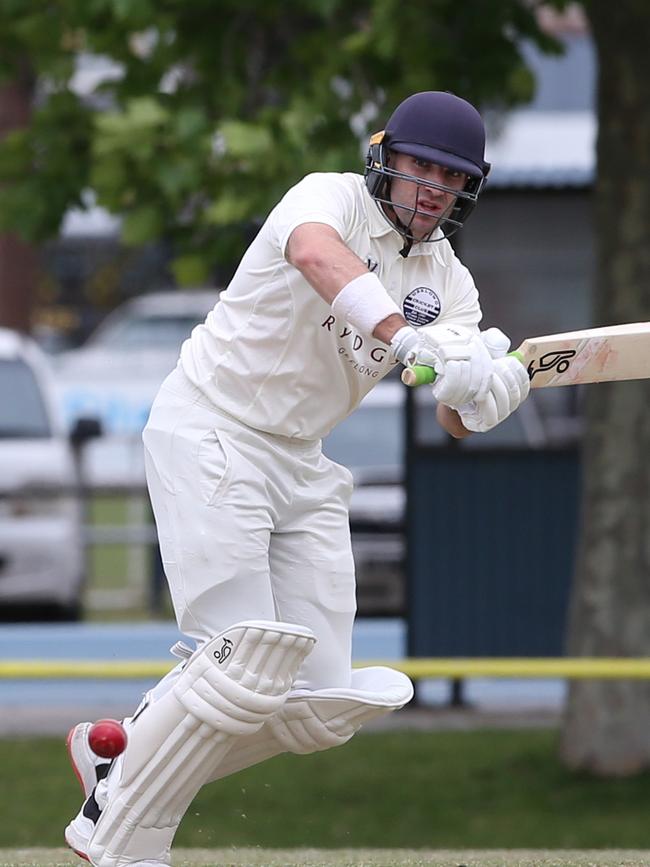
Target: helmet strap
{"x": 405, "y": 228}
{"x": 406, "y": 249}
{"x": 402, "y": 228}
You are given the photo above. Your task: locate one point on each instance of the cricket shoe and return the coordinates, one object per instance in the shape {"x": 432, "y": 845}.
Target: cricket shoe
{"x": 89, "y": 769}
{"x": 81, "y": 828}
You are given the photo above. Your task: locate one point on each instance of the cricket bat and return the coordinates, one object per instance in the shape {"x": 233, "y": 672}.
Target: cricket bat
{"x": 615, "y": 352}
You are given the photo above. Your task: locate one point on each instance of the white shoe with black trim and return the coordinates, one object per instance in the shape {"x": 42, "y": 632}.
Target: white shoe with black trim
{"x": 89, "y": 769}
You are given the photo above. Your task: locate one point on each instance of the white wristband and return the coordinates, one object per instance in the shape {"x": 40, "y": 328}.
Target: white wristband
{"x": 364, "y": 303}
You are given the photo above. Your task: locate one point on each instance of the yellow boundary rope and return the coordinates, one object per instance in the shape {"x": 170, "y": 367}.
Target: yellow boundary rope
{"x": 561, "y": 667}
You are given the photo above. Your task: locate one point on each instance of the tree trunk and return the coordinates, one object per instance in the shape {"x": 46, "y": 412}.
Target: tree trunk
{"x": 607, "y": 724}
{"x": 18, "y": 259}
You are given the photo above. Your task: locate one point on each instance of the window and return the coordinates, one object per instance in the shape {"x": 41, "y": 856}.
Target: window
{"x": 22, "y": 411}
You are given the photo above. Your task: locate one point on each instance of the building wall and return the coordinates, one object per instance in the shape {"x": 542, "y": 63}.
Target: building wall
{"x": 532, "y": 256}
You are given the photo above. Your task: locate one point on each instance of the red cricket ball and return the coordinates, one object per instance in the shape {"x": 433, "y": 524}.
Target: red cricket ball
{"x": 107, "y": 738}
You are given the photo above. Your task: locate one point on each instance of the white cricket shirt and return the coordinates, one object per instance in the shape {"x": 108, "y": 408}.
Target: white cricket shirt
{"x": 273, "y": 355}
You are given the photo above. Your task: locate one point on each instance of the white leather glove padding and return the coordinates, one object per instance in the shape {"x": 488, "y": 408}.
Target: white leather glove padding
{"x": 464, "y": 364}
{"x": 509, "y": 387}
{"x": 405, "y": 344}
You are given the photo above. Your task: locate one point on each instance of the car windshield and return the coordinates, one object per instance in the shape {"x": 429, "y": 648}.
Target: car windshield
{"x": 22, "y": 411}
{"x": 146, "y": 332}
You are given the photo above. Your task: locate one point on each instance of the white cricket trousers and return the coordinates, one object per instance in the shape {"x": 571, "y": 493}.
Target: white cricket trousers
{"x": 250, "y": 526}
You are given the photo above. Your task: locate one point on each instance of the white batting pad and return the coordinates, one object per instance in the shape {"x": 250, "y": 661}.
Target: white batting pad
{"x": 228, "y": 689}
{"x": 312, "y": 720}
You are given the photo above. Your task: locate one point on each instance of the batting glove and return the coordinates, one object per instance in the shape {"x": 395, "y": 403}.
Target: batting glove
{"x": 462, "y": 361}
{"x": 509, "y": 387}
{"x": 405, "y": 344}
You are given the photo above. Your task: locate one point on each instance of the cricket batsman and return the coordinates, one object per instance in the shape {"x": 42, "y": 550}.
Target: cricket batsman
{"x": 349, "y": 276}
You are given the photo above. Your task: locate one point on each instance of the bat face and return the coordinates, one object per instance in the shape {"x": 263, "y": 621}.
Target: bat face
{"x": 616, "y": 352}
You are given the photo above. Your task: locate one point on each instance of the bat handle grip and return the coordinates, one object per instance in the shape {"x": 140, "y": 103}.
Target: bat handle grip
{"x": 420, "y": 374}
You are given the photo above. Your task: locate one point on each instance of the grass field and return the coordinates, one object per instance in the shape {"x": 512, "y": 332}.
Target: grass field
{"x": 439, "y": 790}
{"x": 353, "y": 858}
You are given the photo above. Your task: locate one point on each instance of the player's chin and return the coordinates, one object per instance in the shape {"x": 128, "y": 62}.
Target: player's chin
{"x": 423, "y": 225}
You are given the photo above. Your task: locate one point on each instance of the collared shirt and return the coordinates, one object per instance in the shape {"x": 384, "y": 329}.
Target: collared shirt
{"x": 273, "y": 355}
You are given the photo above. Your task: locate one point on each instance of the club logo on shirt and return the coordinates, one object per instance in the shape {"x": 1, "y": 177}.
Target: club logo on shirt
{"x": 421, "y": 306}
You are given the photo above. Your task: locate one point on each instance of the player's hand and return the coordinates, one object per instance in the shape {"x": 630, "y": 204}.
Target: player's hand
{"x": 406, "y": 344}
{"x": 509, "y": 387}
{"x": 460, "y": 358}
{"x": 462, "y": 362}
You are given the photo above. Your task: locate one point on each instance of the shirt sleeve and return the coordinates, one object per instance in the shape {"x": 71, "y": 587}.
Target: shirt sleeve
{"x": 318, "y": 198}
{"x": 464, "y": 307}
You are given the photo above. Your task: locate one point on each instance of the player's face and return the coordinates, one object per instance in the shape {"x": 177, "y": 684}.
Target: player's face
{"x": 428, "y": 202}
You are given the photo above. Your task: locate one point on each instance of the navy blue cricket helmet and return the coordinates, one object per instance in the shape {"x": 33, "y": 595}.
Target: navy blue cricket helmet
{"x": 440, "y": 128}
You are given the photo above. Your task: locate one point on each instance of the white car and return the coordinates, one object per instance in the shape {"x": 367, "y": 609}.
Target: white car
{"x": 115, "y": 375}
{"x": 41, "y": 533}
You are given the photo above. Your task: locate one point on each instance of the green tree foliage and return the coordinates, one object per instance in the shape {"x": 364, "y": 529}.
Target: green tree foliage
{"x": 218, "y": 107}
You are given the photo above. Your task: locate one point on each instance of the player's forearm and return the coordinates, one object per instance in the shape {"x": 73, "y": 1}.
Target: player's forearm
{"x": 324, "y": 260}
{"x": 329, "y": 265}
{"x": 449, "y": 420}
{"x": 388, "y": 327}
